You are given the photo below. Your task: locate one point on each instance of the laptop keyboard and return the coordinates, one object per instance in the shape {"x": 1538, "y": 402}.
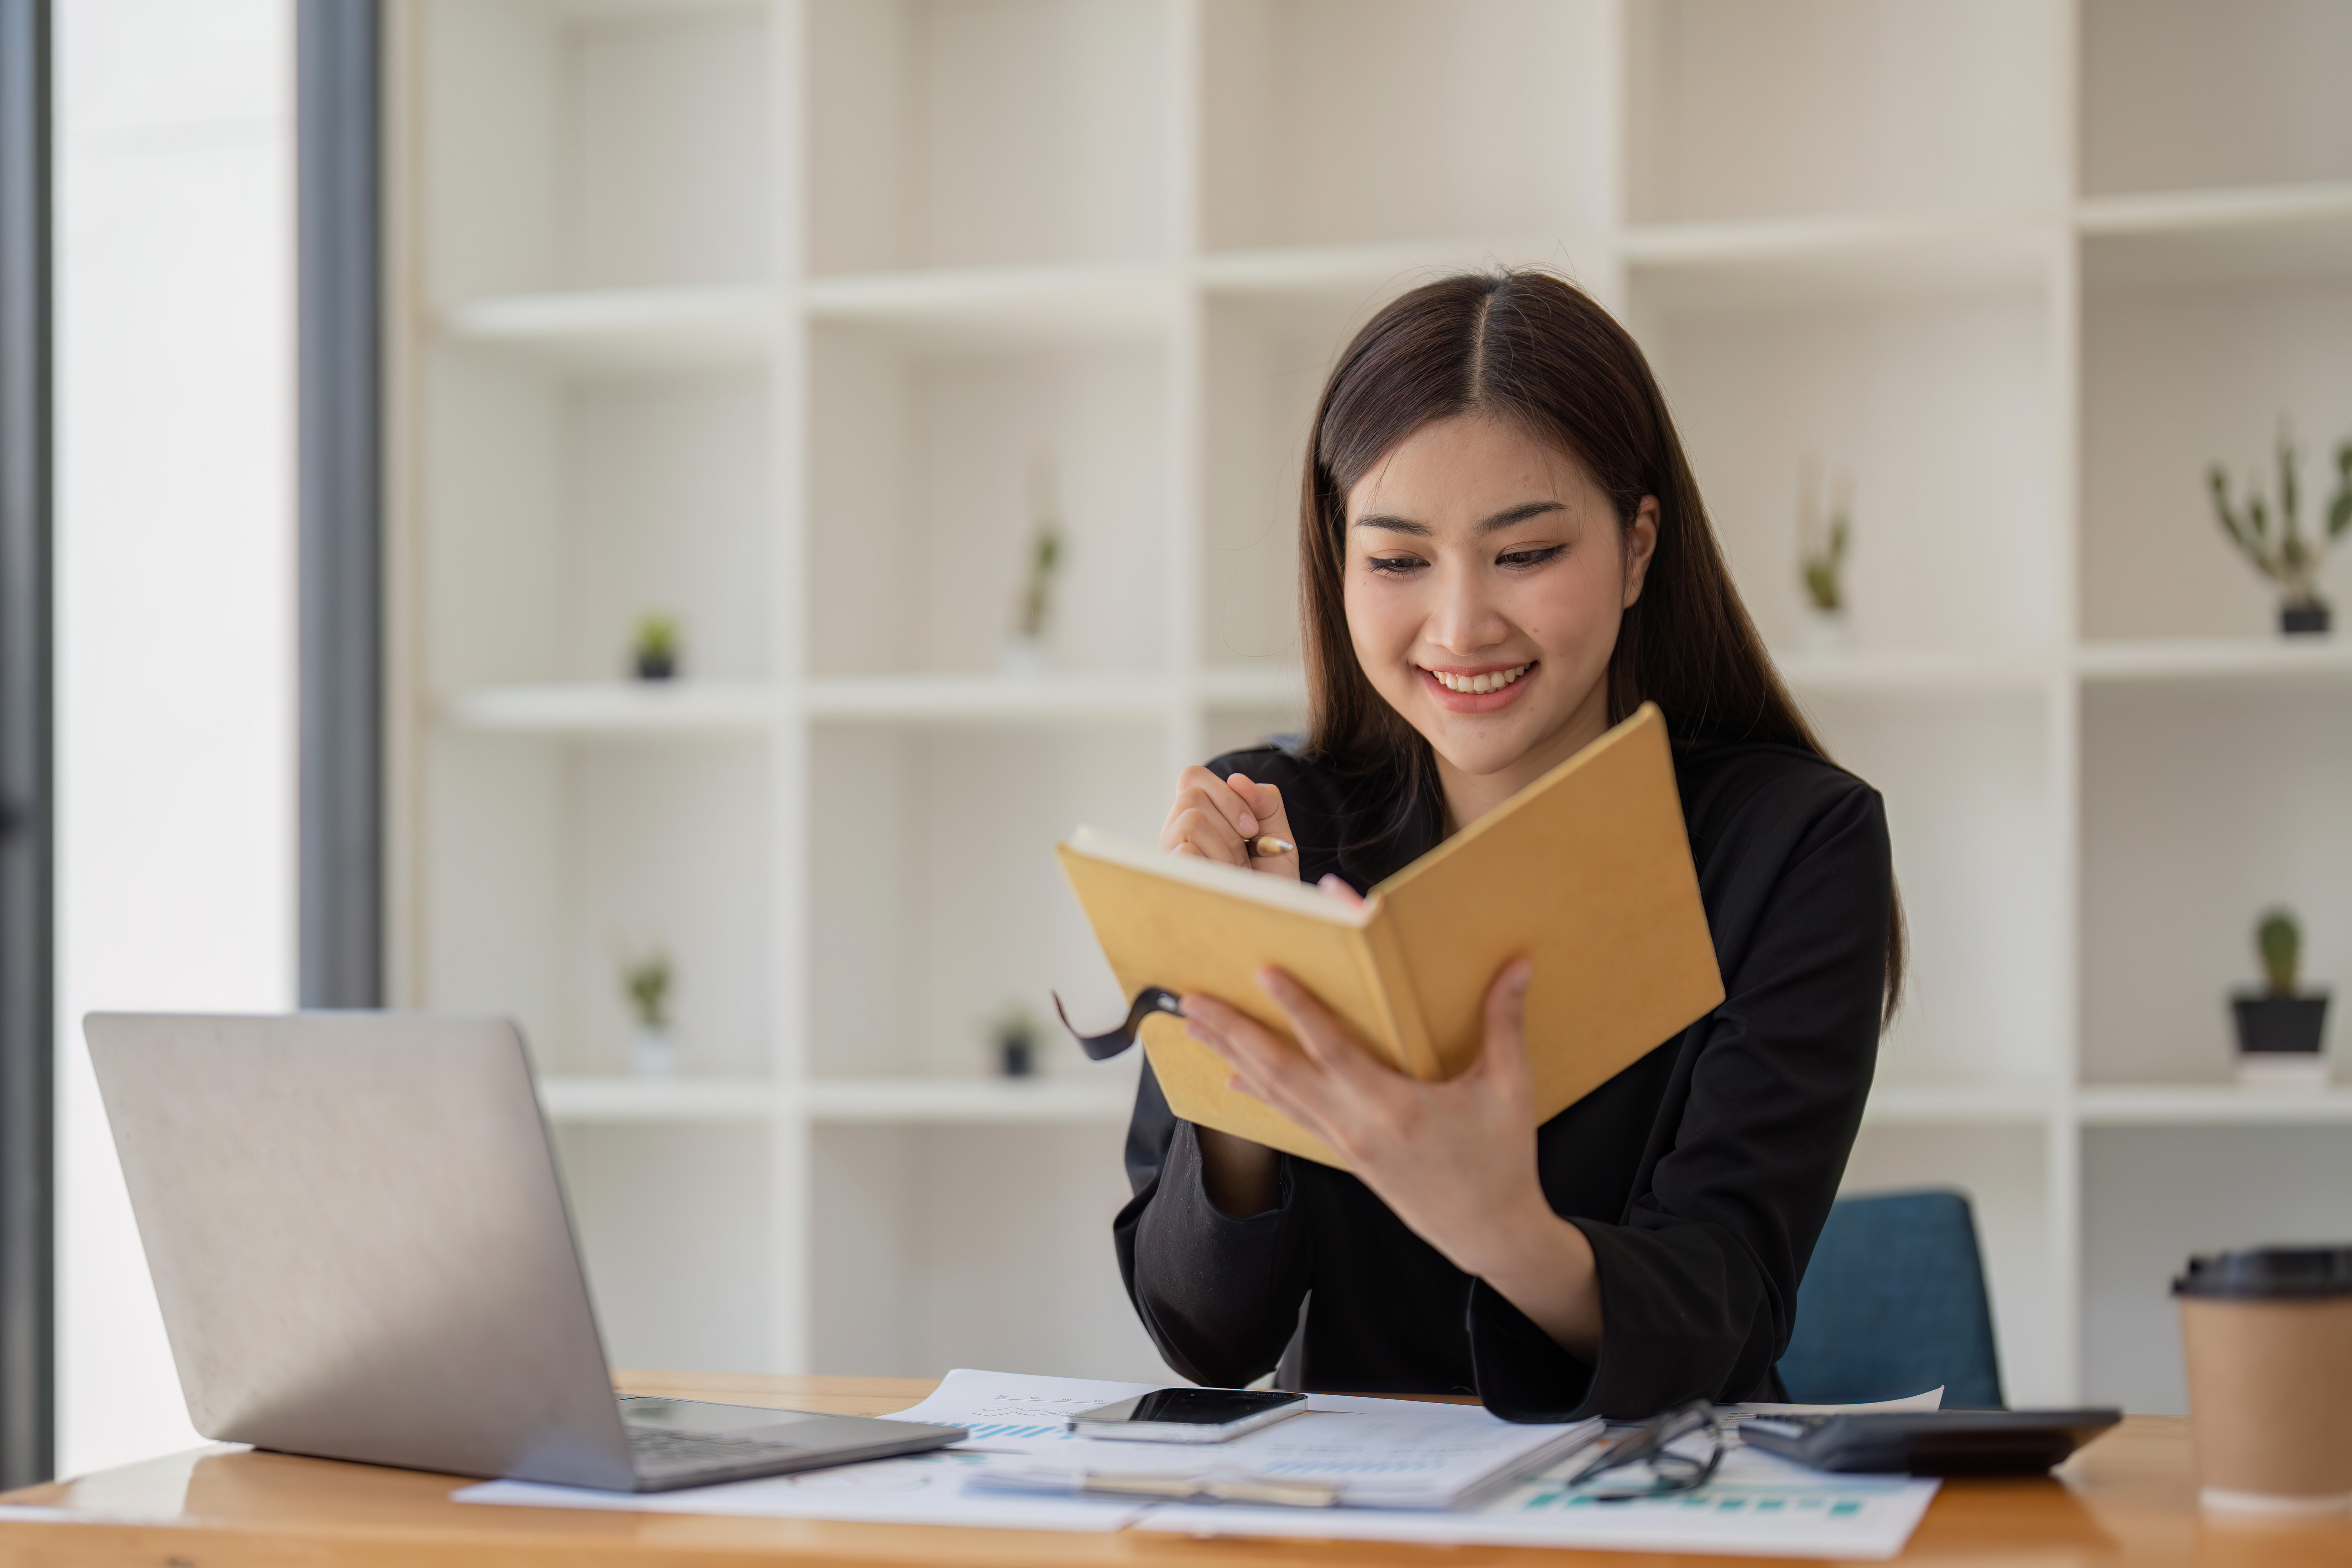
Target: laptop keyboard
{"x": 668, "y": 1450}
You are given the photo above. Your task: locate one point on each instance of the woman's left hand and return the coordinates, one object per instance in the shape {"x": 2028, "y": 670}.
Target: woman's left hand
{"x": 1454, "y": 1160}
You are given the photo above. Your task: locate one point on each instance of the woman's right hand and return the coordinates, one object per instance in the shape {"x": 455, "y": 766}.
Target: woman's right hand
{"x": 1215, "y": 818}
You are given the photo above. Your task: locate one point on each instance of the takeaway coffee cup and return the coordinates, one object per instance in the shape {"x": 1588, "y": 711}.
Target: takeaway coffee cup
{"x": 2268, "y": 1338}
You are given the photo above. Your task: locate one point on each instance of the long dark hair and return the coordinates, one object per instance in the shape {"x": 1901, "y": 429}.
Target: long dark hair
{"x": 1533, "y": 350}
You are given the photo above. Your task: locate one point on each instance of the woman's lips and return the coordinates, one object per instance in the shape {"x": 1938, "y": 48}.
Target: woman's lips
{"x": 1477, "y": 701}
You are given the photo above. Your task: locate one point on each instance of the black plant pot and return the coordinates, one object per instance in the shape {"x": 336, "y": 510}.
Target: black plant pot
{"x": 2280, "y": 1026}
{"x": 1019, "y": 1058}
{"x": 2303, "y": 620}
{"x": 656, "y": 666}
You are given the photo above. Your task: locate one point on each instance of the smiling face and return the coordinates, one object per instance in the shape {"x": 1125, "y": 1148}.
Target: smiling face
{"x": 1486, "y": 575}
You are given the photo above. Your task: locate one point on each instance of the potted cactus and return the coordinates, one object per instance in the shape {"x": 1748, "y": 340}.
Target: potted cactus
{"x": 1032, "y": 612}
{"x": 646, "y": 981}
{"x": 1822, "y": 571}
{"x": 1015, "y": 1034}
{"x": 2280, "y": 1028}
{"x": 2286, "y": 556}
{"x": 655, "y": 652}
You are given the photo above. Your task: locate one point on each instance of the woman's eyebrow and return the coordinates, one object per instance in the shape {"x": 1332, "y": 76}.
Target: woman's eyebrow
{"x": 1500, "y": 519}
{"x": 1521, "y": 514}
{"x": 1391, "y": 525}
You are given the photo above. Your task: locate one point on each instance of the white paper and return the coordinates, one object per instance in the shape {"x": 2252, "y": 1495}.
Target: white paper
{"x": 921, "y": 1489}
{"x": 1385, "y": 1452}
{"x": 1380, "y": 1453}
{"x": 1756, "y": 1506}
{"x": 1000, "y": 1409}
{"x": 1931, "y": 1400}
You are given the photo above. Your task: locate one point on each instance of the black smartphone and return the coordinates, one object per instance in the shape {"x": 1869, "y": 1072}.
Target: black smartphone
{"x": 1188, "y": 1415}
{"x": 1931, "y": 1442}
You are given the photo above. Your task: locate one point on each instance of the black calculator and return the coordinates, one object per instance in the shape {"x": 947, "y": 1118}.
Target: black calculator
{"x": 1931, "y": 1442}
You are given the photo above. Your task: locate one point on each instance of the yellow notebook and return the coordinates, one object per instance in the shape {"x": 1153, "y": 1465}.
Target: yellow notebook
{"x": 1587, "y": 871}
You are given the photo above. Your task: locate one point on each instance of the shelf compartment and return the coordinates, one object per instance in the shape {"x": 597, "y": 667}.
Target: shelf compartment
{"x": 1971, "y": 802}
{"x": 1307, "y": 138}
{"x": 999, "y": 307}
{"x": 1738, "y": 110}
{"x": 582, "y": 1100}
{"x": 936, "y": 899}
{"x": 2183, "y": 94}
{"x": 622, "y": 330}
{"x": 575, "y": 147}
{"x": 1950, "y": 551}
{"x": 948, "y": 136}
{"x": 929, "y": 473}
{"x": 2177, "y": 375}
{"x": 2202, "y": 805}
{"x": 616, "y": 707}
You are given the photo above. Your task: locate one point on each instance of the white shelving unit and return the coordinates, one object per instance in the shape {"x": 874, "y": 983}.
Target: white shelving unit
{"x": 765, "y": 311}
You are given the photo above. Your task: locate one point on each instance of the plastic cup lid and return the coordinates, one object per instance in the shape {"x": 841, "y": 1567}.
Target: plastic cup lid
{"x": 2269, "y": 1273}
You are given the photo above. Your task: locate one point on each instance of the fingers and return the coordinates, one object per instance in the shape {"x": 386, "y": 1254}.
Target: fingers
{"x": 1264, "y": 1065}
{"x": 1208, "y": 820}
{"x": 1324, "y": 1039}
{"x": 1505, "y": 1054}
{"x": 1335, "y": 887}
{"x": 1265, "y": 803}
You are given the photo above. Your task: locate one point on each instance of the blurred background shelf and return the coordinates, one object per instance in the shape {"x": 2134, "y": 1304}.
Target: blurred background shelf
{"x": 2252, "y": 660}
{"x": 799, "y": 319}
{"x": 2223, "y": 207}
{"x": 1815, "y": 259}
{"x": 2213, "y": 1105}
{"x": 646, "y": 1101}
{"x": 616, "y": 707}
{"x": 993, "y": 307}
{"x": 1096, "y": 1100}
{"x": 987, "y": 699}
{"x": 620, "y": 330}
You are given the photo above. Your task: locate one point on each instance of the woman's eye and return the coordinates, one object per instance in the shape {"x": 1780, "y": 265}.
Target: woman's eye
{"x": 1396, "y": 565}
{"x": 1531, "y": 557}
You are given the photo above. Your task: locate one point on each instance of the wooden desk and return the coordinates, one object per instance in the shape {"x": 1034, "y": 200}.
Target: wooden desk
{"x": 2127, "y": 1498}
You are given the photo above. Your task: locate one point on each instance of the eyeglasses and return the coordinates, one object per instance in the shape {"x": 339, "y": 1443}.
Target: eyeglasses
{"x": 1669, "y": 1471}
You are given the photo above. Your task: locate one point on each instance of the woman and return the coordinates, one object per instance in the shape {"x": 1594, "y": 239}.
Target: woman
{"x": 1502, "y": 551}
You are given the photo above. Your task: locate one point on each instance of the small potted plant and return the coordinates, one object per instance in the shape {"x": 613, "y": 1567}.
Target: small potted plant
{"x": 1822, "y": 571}
{"x": 1025, "y": 650}
{"x": 646, "y": 981}
{"x": 655, "y": 651}
{"x": 2279, "y": 1027}
{"x": 1015, "y": 1034}
{"x": 2286, "y": 557}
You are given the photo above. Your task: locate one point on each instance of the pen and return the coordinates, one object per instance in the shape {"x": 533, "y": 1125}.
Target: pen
{"x": 1266, "y": 846}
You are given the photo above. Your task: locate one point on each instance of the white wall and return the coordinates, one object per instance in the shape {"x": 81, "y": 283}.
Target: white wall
{"x": 175, "y": 626}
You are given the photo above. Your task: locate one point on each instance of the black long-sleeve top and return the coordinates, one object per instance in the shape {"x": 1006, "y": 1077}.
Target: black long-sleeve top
{"x": 1701, "y": 1174}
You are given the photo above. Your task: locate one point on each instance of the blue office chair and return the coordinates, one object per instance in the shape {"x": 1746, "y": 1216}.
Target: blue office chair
{"x": 1894, "y": 1303}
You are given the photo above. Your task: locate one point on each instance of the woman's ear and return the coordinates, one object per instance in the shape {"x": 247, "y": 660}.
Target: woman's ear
{"x": 1641, "y": 544}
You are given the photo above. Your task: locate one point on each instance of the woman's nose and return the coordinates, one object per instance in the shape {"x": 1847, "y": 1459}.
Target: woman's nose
{"x": 1465, "y": 618}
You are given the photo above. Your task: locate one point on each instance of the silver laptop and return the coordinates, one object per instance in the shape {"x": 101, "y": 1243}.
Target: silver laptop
{"x": 361, "y": 1251}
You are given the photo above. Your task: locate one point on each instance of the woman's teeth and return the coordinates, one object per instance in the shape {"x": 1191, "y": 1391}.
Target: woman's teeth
{"x": 1478, "y": 684}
